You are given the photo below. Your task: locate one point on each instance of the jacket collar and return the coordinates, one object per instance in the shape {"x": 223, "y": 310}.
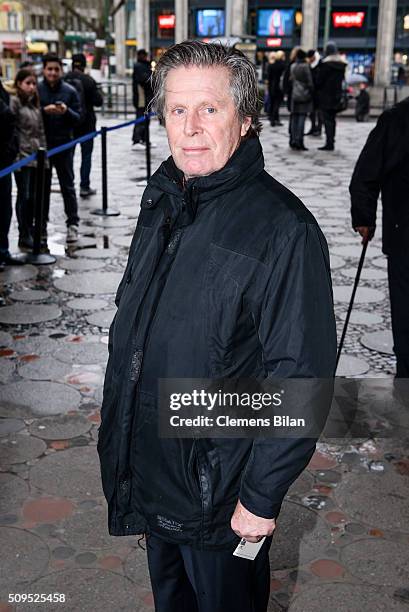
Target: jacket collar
{"x": 244, "y": 165}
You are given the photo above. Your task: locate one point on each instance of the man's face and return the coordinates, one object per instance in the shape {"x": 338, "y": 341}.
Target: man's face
{"x": 52, "y": 72}
{"x": 202, "y": 125}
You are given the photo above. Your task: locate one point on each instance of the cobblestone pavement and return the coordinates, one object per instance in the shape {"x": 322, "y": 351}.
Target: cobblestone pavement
{"x": 342, "y": 541}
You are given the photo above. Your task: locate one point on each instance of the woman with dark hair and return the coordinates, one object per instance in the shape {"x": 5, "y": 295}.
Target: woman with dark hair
{"x": 301, "y": 99}
{"x": 29, "y": 123}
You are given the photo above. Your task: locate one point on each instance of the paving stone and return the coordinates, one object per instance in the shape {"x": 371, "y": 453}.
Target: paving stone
{"x": 87, "y": 530}
{"x": 19, "y": 448}
{"x": 80, "y": 263}
{"x": 44, "y": 368}
{"x": 367, "y": 273}
{"x": 302, "y": 485}
{"x": 111, "y": 222}
{"x": 63, "y": 552}
{"x": 136, "y": 568}
{"x": 299, "y": 537}
{"x": 10, "y": 426}
{"x": 359, "y": 317}
{"x": 89, "y": 283}
{"x": 14, "y": 490}
{"x": 364, "y": 295}
{"x": 378, "y": 561}
{"x": 103, "y": 318}
{"x": 36, "y": 345}
{"x": 346, "y": 597}
{"x": 24, "y": 557}
{"x": 87, "y": 303}
{"x": 355, "y": 251}
{"x": 89, "y": 589}
{"x": 47, "y": 509}
{"x": 349, "y": 365}
{"x": 37, "y": 397}
{"x": 72, "y": 473}
{"x": 5, "y": 338}
{"x": 17, "y": 274}
{"x": 381, "y": 341}
{"x": 99, "y": 253}
{"x": 380, "y": 262}
{"x": 61, "y": 427}
{"x": 29, "y": 295}
{"x": 7, "y": 368}
{"x": 18, "y": 314}
{"x": 388, "y": 510}
{"x": 122, "y": 241}
{"x": 336, "y": 262}
{"x": 83, "y": 353}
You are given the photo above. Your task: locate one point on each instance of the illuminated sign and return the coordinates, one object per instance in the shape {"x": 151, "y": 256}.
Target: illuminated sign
{"x": 166, "y": 22}
{"x": 406, "y": 22}
{"x": 348, "y": 20}
{"x": 273, "y": 42}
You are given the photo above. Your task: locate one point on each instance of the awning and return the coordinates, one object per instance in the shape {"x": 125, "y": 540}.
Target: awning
{"x": 37, "y": 47}
{"x": 12, "y": 45}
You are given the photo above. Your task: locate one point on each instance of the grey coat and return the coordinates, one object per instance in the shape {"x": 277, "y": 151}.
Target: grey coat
{"x": 302, "y": 88}
{"x": 30, "y": 127}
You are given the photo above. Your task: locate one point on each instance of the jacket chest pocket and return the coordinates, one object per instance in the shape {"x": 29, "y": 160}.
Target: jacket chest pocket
{"x": 223, "y": 310}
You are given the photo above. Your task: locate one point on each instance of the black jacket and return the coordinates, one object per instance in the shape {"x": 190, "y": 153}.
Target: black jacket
{"x": 383, "y": 167}
{"x": 8, "y": 131}
{"x": 330, "y": 74}
{"x": 228, "y": 277}
{"x": 274, "y": 73}
{"x": 59, "y": 128}
{"x": 92, "y": 97}
{"x": 141, "y": 84}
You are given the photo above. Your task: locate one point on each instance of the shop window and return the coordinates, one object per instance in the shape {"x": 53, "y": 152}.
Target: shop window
{"x": 12, "y": 21}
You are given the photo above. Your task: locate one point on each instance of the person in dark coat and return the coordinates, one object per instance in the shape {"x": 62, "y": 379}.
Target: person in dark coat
{"x": 8, "y": 152}
{"x": 228, "y": 277}
{"x": 91, "y": 97}
{"x": 314, "y": 60}
{"x": 275, "y": 69}
{"x": 142, "y": 96}
{"x": 363, "y": 103}
{"x": 301, "y": 100}
{"x": 383, "y": 168}
{"x": 328, "y": 82}
{"x": 61, "y": 114}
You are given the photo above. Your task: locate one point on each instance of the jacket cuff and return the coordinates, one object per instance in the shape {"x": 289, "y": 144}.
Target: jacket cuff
{"x": 259, "y": 507}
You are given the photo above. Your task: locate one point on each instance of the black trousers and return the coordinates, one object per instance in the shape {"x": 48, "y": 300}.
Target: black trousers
{"x": 297, "y": 122}
{"x": 329, "y": 121}
{"x": 275, "y": 101}
{"x": 6, "y": 212}
{"x": 398, "y": 274}
{"x": 139, "y": 129}
{"x": 63, "y": 163}
{"x": 188, "y": 580}
{"x": 25, "y": 180}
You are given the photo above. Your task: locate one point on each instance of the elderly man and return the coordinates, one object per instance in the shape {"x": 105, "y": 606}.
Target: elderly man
{"x": 228, "y": 276}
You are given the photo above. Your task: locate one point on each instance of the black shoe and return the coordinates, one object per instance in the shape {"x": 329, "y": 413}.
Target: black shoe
{"x": 25, "y": 243}
{"x": 316, "y": 134}
{"x": 272, "y": 123}
{"x": 310, "y": 133}
{"x": 6, "y": 259}
{"x": 85, "y": 192}
{"x": 302, "y": 148}
{"x": 326, "y": 148}
{"x": 279, "y": 123}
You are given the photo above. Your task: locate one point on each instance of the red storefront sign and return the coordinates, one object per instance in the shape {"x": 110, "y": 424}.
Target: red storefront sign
{"x": 348, "y": 19}
{"x": 274, "y": 42}
{"x": 166, "y": 22}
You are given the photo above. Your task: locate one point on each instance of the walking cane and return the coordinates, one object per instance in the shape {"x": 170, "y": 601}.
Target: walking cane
{"x": 351, "y": 302}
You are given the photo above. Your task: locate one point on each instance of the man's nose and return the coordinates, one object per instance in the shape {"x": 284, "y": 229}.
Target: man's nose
{"x": 192, "y": 124}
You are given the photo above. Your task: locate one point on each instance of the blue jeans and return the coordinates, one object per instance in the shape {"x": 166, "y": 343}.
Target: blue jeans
{"x": 86, "y": 159}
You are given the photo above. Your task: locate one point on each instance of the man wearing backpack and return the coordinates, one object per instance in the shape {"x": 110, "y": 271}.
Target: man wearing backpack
{"x": 61, "y": 114}
{"x": 328, "y": 83}
{"x": 90, "y": 96}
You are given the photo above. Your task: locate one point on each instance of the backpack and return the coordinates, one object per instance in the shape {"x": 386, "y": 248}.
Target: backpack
{"x": 79, "y": 88}
{"x": 343, "y": 100}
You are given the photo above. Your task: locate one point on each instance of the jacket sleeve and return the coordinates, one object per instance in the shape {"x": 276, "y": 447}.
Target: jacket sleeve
{"x": 97, "y": 99}
{"x": 379, "y": 156}
{"x": 296, "y": 328}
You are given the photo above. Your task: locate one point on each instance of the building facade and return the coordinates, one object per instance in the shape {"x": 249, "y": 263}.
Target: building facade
{"x": 371, "y": 33}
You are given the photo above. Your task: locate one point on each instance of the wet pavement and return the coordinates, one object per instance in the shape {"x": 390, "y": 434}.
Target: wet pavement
{"x": 342, "y": 541}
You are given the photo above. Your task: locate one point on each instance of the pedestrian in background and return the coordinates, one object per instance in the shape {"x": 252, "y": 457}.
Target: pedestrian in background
{"x": 329, "y": 81}
{"x": 91, "y": 97}
{"x": 61, "y": 114}
{"x": 363, "y": 103}
{"x": 275, "y": 70}
{"x": 25, "y": 105}
{"x": 287, "y": 84}
{"x": 142, "y": 95}
{"x": 301, "y": 99}
{"x": 8, "y": 152}
{"x": 383, "y": 167}
{"x": 314, "y": 60}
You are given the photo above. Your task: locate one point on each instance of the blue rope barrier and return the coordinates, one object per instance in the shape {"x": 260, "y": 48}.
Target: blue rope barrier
{"x": 17, "y": 165}
{"x": 69, "y": 145}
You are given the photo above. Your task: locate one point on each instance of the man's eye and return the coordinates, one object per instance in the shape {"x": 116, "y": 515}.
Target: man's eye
{"x": 177, "y": 111}
{"x": 210, "y": 110}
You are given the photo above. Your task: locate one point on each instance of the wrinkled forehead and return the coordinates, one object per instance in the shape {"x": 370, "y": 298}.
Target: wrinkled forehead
{"x": 190, "y": 82}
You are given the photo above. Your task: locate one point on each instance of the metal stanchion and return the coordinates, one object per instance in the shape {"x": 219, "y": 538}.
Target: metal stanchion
{"x": 36, "y": 257}
{"x": 104, "y": 211}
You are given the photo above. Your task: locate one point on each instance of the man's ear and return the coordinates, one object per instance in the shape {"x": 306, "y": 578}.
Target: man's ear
{"x": 245, "y": 126}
